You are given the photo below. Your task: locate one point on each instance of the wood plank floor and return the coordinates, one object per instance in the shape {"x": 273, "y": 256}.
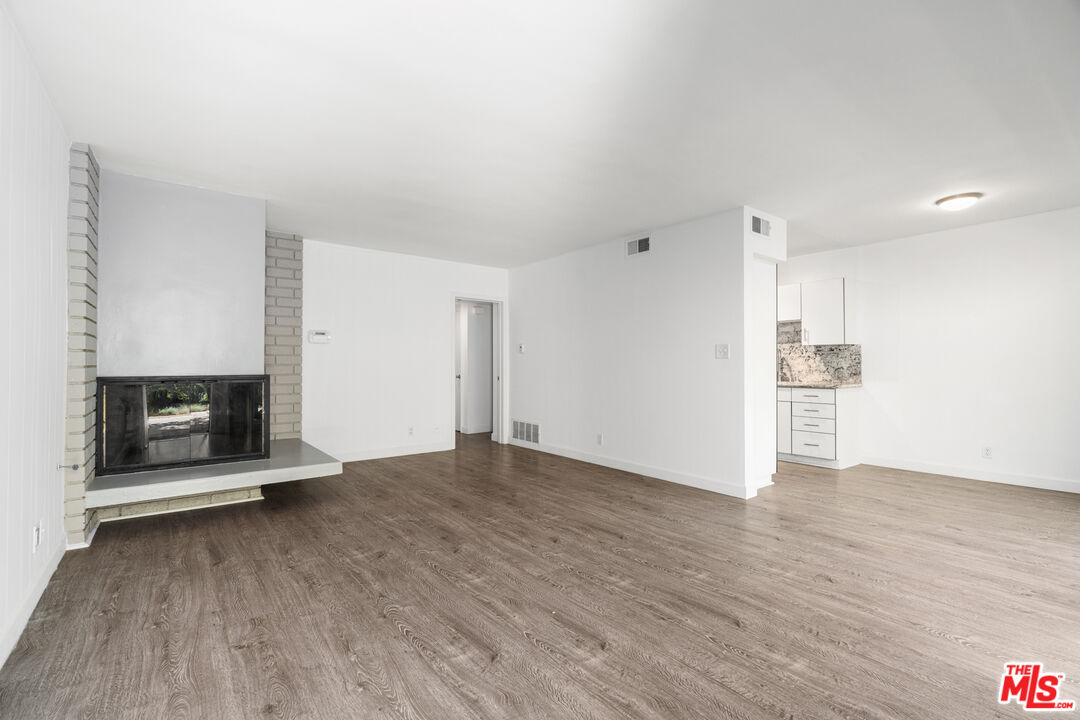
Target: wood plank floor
{"x": 497, "y": 582}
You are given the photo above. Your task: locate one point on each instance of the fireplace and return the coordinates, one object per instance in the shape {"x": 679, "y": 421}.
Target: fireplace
{"x": 146, "y": 423}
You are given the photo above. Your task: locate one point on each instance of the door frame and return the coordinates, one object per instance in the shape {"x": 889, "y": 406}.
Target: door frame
{"x": 461, "y": 351}
{"x": 500, "y": 352}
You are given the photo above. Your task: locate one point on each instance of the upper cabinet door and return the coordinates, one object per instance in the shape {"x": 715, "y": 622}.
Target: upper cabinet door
{"x": 788, "y": 303}
{"x": 823, "y": 312}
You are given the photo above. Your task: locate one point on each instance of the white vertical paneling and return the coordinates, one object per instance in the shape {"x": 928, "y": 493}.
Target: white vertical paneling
{"x": 33, "y": 285}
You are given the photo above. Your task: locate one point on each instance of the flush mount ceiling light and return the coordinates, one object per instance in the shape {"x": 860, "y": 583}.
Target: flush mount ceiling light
{"x": 959, "y": 202}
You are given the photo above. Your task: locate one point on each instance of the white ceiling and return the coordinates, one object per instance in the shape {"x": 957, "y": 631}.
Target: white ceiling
{"x": 503, "y": 132}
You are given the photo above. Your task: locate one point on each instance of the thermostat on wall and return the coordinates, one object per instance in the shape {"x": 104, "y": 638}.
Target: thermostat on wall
{"x": 320, "y": 337}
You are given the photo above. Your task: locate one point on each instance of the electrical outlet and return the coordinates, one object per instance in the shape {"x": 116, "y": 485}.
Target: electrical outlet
{"x": 521, "y": 348}
{"x": 723, "y": 352}
{"x": 599, "y": 438}
{"x": 410, "y": 429}
{"x": 988, "y": 453}
{"x": 37, "y": 536}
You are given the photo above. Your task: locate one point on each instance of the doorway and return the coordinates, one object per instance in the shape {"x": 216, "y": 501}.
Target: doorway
{"x": 477, "y": 376}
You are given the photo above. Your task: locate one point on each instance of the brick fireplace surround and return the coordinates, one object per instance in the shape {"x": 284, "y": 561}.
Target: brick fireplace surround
{"x": 282, "y": 345}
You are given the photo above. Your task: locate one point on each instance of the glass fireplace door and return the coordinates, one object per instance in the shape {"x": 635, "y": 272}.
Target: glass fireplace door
{"x": 147, "y": 423}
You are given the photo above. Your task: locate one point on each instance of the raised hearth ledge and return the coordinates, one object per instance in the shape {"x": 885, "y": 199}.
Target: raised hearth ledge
{"x": 289, "y": 460}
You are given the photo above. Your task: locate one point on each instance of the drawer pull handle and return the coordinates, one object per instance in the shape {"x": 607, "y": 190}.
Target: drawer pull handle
{"x": 811, "y": 424}
{"x": 811, "y": 445}
{"x": 810, "y": 396}
{"x": 809, "y": 410}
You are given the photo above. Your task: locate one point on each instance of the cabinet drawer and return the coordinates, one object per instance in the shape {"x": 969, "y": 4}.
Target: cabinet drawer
{"x": 818, "y": 425}
{"x": 813, "y": 395}
{"x": 813, "y": 444}
{"x": 813, "y": 410}
{"x": 783, "y": 394}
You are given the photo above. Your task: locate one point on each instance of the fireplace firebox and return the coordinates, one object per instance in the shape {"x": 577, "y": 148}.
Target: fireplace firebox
{"x": 147, "y": 423}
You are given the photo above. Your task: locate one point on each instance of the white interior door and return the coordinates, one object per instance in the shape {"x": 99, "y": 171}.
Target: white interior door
{"x": 478, "y": 363}
{"x": 477, "y": 387}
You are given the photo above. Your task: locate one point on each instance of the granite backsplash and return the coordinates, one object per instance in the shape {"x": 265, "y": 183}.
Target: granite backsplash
{"x": 841, "y": 364}
{"x": 788, "y": 332}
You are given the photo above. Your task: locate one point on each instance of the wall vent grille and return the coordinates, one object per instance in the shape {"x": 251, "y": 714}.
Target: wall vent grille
{"x": 529, "y": 432}
{"x": 759, "y": 225}
{"x": 637, "y": 246}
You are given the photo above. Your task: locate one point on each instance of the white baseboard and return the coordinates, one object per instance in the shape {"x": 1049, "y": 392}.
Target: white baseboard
{"x": 470, "y": 431}
{"x": 1044, "y": 483}
{"x": 804, "y": 460}
{"x": 697, "y": 481}
{"x": 378, "y": 453}
{"x": 89, "y": 538}
{"x": 17, "y": 623}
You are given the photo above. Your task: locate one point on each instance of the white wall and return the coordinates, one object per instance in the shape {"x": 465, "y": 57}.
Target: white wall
{"x": 759, "y": 299}
{"x": 969, "y": 341}
{"x": 181, "y": 283}
{"x": 33, "y": 326}
{"x": 624, "y": 346}
{"x": 476, "y": 376}
{"x": 390, "y": 366}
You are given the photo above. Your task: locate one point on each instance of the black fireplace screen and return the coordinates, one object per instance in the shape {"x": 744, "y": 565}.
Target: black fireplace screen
{"x": 145, "y": 423}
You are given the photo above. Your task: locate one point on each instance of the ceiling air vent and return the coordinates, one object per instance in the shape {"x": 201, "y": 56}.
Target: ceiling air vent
{"x": 637, "y": 246}
{"x": 759, "y": 225}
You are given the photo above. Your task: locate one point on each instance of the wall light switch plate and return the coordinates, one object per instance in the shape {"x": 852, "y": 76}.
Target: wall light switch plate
{"x": 521, "y": 348}
{"x": 723, "y": 352}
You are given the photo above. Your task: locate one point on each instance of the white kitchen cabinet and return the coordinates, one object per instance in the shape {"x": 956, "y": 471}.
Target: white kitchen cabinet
{"x": 788, "y": 303}
{"x": 818, "y": 426}
{"x": 822, "y": 312}
{"x": 783, "y": 426}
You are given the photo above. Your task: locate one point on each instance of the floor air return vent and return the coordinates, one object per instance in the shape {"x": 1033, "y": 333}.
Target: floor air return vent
{"x": 529, "y": 432}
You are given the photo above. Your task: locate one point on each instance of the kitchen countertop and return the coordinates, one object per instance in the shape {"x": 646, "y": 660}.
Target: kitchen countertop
{"x": 818, "y": 385}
